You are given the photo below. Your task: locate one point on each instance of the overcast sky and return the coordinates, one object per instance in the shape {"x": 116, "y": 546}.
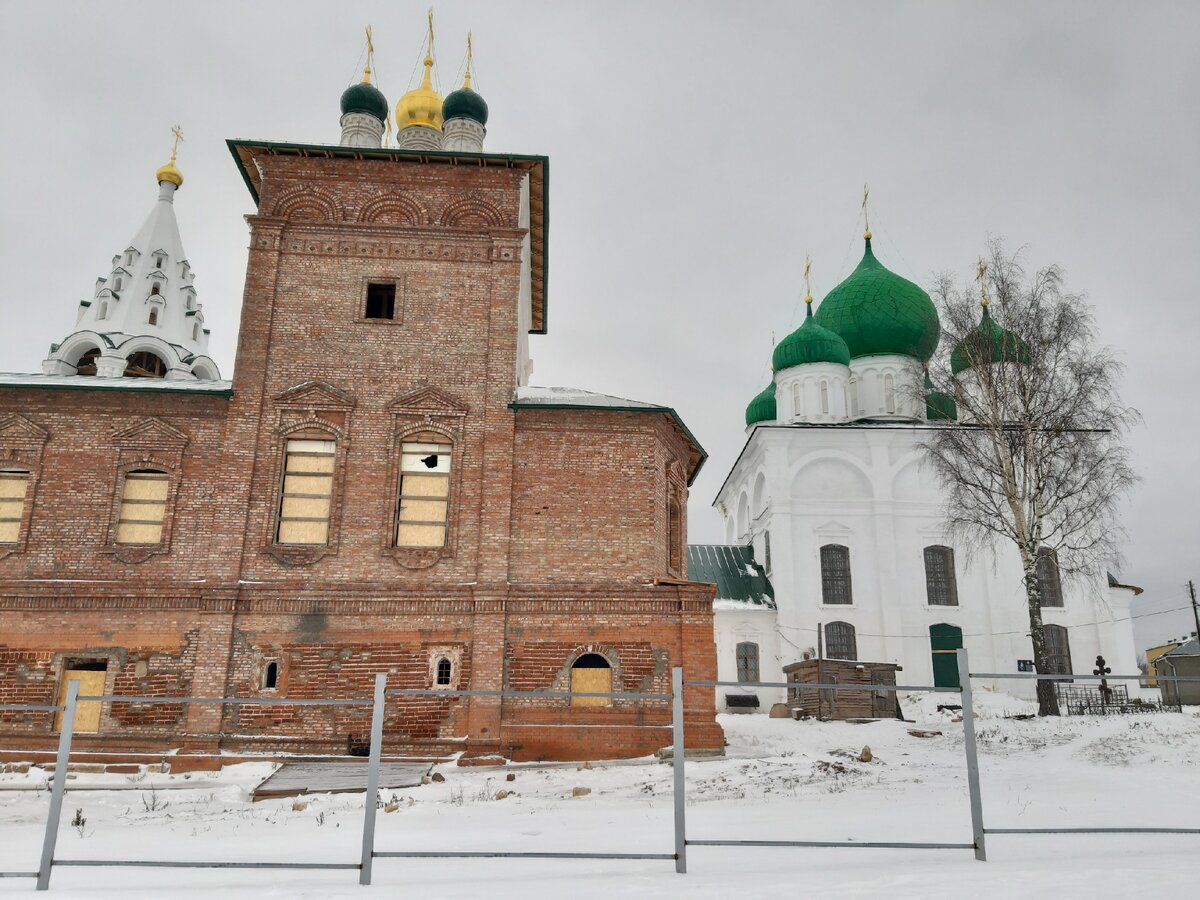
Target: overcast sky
{"x": 698, "y": 152}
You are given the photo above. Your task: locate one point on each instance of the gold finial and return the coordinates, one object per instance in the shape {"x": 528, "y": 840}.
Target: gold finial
{"x": 169, "y": 172}
{"x": 866, "y": 219}
{"x": 422, "y": 105}
{"x": 467, "y": 77}
{"x": 429, "y": 46}
{"x": 807, "y": 284}
{"x": 980, "y": 274}
{"x": 370, "y": 57}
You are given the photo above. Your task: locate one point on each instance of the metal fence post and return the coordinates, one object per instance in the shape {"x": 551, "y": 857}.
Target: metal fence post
{"x": 372, "y": 799}
{"x": 677, "y": 754}
{"x": 65, "y": 732}
{"x": 968, "y": 717}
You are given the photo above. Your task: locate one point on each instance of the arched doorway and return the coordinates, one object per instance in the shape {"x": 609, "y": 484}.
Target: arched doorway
{"x": 591, "y": 674}
{"x": 944, "y": 640}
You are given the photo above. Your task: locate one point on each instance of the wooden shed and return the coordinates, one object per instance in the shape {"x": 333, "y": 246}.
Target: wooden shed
{"x": 833, "y": 704}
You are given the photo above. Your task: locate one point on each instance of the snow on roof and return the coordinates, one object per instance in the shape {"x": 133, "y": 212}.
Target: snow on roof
{"x": 92, "y": 383}
{"x": 564, "y": 396}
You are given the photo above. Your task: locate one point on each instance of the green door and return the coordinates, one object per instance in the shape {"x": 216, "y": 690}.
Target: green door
{"x": 945, "y": 639}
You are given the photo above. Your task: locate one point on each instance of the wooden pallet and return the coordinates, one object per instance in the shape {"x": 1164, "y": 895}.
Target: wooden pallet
{"x": 295, "y": 778}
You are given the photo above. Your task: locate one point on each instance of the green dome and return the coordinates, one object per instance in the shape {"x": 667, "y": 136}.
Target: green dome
{"x": 988, "y": 341}
{"x": 465, "y": 104}
{"x": 364, "y": 97}
{"x": 762, "y": 407}
{"x": 877, "y": 312}
{"x": 810, "y": 343}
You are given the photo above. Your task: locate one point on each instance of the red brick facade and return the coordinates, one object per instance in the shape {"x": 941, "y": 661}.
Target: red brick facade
{"x": 565, "y": 532}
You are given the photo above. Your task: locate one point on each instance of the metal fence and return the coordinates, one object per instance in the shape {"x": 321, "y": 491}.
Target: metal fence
{"x": 681, "y": 841}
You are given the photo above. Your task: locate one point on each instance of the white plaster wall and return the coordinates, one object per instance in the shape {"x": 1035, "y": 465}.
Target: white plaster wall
{"x": 904, "y": 399}
{"x": 867, "y": 488}
{"x": 748, "y": 623}
{"x": 799, "y": 397}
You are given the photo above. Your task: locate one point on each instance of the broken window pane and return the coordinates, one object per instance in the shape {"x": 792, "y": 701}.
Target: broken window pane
{"x": 423, "y": 510}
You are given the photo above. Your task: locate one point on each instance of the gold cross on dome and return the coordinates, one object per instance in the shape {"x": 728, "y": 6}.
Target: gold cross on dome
{"x": 980, "y": 276}
{"x": 178, "y": 132}
{"x": 370, "y": 57}
{"x": 866, "y": 218}
{"x": 807, "y": 285}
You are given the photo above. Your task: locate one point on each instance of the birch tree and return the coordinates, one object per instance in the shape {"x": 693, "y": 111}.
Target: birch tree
{"x": 1037, "y": 461}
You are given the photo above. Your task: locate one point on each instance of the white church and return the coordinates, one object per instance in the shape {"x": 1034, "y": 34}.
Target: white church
{"x": 834, "y": 534}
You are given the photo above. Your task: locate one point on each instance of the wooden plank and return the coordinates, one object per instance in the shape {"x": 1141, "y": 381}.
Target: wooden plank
{"x": 327, "y": 777}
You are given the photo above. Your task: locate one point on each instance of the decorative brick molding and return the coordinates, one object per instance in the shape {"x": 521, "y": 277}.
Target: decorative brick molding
{"x": 21, "y": 445}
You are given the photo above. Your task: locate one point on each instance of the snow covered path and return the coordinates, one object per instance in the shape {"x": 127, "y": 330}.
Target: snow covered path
{"x": 780, "y": 780}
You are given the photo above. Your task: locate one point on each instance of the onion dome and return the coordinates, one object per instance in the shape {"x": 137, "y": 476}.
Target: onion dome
{"x": 465, "y": 104}
{"x": 877, "y": 312}
{"x": 810, "y": 343}
{"x": 938, "y": 406}
{"x": 364, "y": 97}
{"x": 988, "y": 342}
{"x": 421, "y": 106}
{"x": 762, "y": 407}
{"x": 169, "y": 173}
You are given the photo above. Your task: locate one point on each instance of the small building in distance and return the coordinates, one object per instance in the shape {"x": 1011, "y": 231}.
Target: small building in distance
{"x": 1184, "y": 662}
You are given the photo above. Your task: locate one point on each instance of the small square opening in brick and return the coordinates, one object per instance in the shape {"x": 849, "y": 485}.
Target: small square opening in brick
{"x": 381, "y": 300}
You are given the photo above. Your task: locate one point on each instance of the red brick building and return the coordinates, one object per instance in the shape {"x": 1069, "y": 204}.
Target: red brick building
{"x": 375, "y": 490}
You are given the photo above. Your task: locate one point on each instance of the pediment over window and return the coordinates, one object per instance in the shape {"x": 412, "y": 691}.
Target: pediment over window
{"x": 315, "y": 395}
{"x": 150, "y": 433}
{"x": 832, "y": 529}
{"x": 17, "y": 431}
{"x": 430, "y": 401}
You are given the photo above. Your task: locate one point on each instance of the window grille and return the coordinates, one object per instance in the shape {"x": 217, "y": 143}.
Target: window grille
{"x": 1058, "y": 650}
{"x": 306, "y": 503}
{"x": 14, "y": 483}
{"x": 443, "y": 671}
{"x": 840, "y": 641}
{"x": 424, "y": 506}
{"x": 835, "y": 574}
{"x": 941, "y": 585}
{"x": 1049, "y": 580}
{"x": 747, "y": 661}
{"x": 143, "y": 507}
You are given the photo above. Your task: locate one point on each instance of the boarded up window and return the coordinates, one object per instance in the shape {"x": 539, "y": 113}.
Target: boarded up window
{"x": 941, "y": 585}
{"x": 13, "y": 485}
{"x": 1058, "y": 650}
{"x": 747, "y": 661}
{"x": 424, "y": 495}
{"x": 840, "y": 642}
{"x": 143, "y": 506}
{"x": 835, "y": 574}
{"x": 591, "y": 674}
{"x": 307, "y": 491}
{"x": 1048, "y": 578}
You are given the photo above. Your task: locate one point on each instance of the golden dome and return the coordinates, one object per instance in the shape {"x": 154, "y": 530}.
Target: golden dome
{"x": 169, "y": 173}
{"x": 421, "y": 106}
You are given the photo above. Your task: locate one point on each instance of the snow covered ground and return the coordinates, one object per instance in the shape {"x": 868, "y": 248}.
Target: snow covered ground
{"x": 780, "y": 780}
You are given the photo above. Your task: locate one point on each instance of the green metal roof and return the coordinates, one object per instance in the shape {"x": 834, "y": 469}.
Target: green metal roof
{"x": 762, "y": 408}
{"x": 876, "y": 312}
{"x": 733, "y": 570}
{"x": 365, "y": 98}
{"x": 465, "y": 103}
{"x": 988, "y": 342}
{"x": 810, "y": 343}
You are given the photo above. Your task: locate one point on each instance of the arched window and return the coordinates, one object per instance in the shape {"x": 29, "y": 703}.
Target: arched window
{"x": 159, "y": 261}
{"x": 747, "y": 661}
{"x": 941, "y": 585}
{"x": 102, "y": 312}
{"x": 854, "y": 396}
{"x": 674, "y": 537}
{"x": 889, "y": 393}
{"x": 444, "y": 670}
{"x": 196, "y": 331}
{"x": 1049, "y": 581}
{"x": 423, "y": 508}
{"x": 143, "y": 507}
{"x": 798, "y": 398}
{"x": 1058, "y": 650}
{"x": 117, "y": 283}
{"x": 307, "y": 497}
{"x": 591, "y": 674}
{"x": 154, "y": 289}
{"x": 14, "y": 484}
{"x": 270, "y": 676}
{"x": 840, "y": 641}
{"x": 835, "y": 574}
{"x": 145, "y": 364}
{"x": 824, "y": 396}
{"x": 152, "y": 319}
{"x": 87, "y": 362}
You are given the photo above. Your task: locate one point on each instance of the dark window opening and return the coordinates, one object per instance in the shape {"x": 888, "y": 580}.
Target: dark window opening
{"x": 1049, "y": 580}
{"x": 271, "y": 676}
{"x": 381, "y": 300}
{"x": 840, "y": 641}
{"x": 591, "y": 661}
{"x": 86, "y": 665}
{"x": 145, "y": 364}
{"x": 87, "y": 362}
{"x": 747, "y": 661}
{"x": 941, "y": 585}
{"x": 443, "y": 671}
{"x": 154, "y": 290}
{"x": 835, "y": 574}
{"x": 153, "y": 320}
